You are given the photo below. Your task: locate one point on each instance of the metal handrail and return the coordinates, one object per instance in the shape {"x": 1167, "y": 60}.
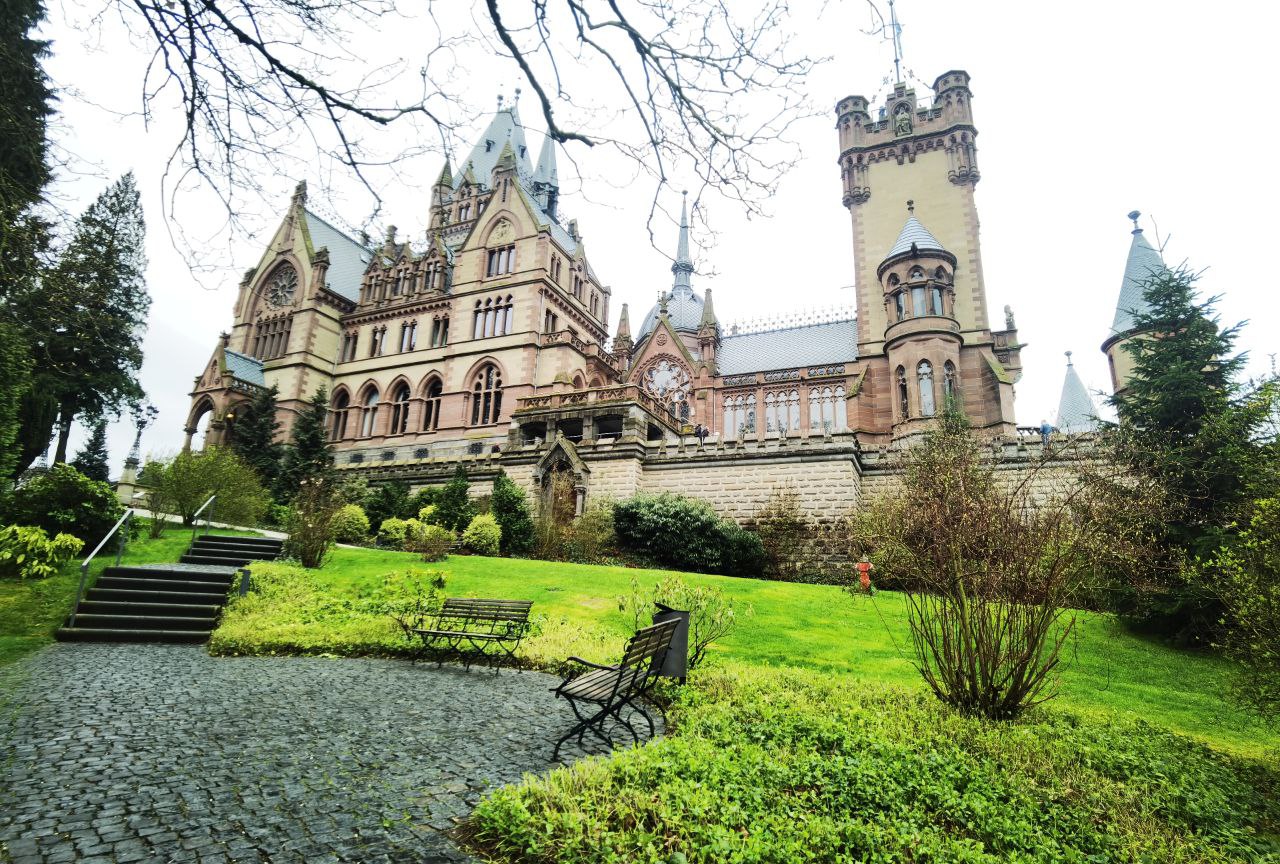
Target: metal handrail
{"x": 84, "y": 565}
{"x": 208, "y": 520}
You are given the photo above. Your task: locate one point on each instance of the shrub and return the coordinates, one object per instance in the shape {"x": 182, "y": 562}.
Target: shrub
{"x": 350, "y": 525}
{"x": 511, "y": 508}
{"x": 590, "y": 539}
{"x": 311, "y": 521}
{"x": 187, "y": 480}
{"x": 392, "y": 532}
{"x": 1247, "y": 573}
{"x": 424, "y": 497}
{"x": 388, "y": 501}
{"x": 483, "y": 536}
{"x": 427, "y": 514}
{"x": 432, "y": 542}
{"x": 684, "y": 534}
{"x": 712, "y": 616}
{"x": 354, "y": 490}
{"x": 28, "y": 553}
{"x": 276, "y": 515}
{"x": 454, "y": 508}
{"x": 785, "y": 536}
{"x": 64, "y": 501}
{"x": 782, "y": 766}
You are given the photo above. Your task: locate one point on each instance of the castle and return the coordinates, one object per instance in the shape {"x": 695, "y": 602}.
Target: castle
{"x": 491, "y": 346}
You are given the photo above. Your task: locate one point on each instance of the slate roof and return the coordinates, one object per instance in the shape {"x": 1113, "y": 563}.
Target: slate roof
{"x": 1143, "y": 262}
{"x": 243, "y": 367}
{"x": 811, "y": 345}
{"x": 1076, "y": 411}
{"x": 914, "y": 232}
{"x": 505, "y": 126}
{"x": 347, "y": 258}
{"x": 684, "y": 311}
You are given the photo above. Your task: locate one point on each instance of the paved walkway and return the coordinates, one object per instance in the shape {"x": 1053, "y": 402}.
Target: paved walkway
{"x": 123, "y": 753}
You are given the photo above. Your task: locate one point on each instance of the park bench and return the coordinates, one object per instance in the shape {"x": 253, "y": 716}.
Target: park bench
{"x": 604, "y": 691}
{"x": 472, "y": 628}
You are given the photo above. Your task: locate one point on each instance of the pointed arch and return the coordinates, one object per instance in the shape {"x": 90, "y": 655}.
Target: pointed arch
{"x": 431, "y": 391}
{"x": 399, "y": 394}
{"x": 339, "y": 409}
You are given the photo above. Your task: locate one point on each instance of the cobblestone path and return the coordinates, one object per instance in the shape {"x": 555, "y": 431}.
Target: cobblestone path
{"x": 123, "y": 753}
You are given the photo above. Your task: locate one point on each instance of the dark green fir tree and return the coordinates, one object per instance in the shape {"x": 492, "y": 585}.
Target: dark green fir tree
{"x": 254, "y": 436}
{"x": 93, "y": 460}
{"x": 308, "y": 455}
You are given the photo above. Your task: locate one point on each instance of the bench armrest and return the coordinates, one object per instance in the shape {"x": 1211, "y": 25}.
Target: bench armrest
{"x": 589, "y": 663}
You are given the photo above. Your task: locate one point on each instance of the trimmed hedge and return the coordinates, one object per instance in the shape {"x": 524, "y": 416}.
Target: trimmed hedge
{"x": 686, "y": 534}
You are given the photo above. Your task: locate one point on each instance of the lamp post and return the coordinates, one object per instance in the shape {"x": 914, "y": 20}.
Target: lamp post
{"x": 142, "y": 418}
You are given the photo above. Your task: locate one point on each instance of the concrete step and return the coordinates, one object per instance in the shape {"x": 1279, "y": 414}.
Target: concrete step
{"x": 184, "y": 586}
{"x": 100, "y": 634}
{"x": 253, "y": 553}
{"x": 268, "y": 543}
{"x": 221, "y": 558}
{"x": 151, "y": 608}
{"x": 196, "y": 572}
{"x": 143, "y": 622}
{"x": 129, "y": 595}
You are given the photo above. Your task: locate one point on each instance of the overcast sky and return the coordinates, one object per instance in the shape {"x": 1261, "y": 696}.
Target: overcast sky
{"x": 1085, "y": 111}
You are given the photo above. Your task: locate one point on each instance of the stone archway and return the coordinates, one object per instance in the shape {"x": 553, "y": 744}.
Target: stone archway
{"x": 561, "y": 477}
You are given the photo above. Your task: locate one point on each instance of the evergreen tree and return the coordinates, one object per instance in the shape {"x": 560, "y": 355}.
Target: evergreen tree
{"x": 511, "y": 508}
{"x": 389, "y": 501}
{"x": 308, "y": 455}
{"x": 93, "y": 461}
{"x": 454, "y": 509}
{"x": 85, "y": 321}
{"x": 15, "y": 384}
{"x": 254, "y": 436}
{"x": 1188, "y": 422}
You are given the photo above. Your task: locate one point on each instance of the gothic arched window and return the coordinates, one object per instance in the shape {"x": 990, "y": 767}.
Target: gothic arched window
{"x": 369, "y": 412}
{"x": 924, "y": 374}
{"x": 486, "y": 396}
{"x": 338, "y": 427}
{"x": 399, "y": 410}
{"x": 936, "y": 296}
{"x": 917, "y": 302}
{"x": 431, "y": 405}
{"x": 950, "y": 384}
{"x": 900, "y": 301}
{"x": 904, "y": 407}
{"x": 827, "y": 409}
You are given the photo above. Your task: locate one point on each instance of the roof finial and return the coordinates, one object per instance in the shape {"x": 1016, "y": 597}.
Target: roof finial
{"x": 897, "y": 43}
{"x": 1134, "y": 214}
{"x": 683, "y": 265}
{"x": 516, "y": 101}
{"x": 1068, "y": 358}
{"x": 911, "y": 206}
{"x": 499, "y": 101}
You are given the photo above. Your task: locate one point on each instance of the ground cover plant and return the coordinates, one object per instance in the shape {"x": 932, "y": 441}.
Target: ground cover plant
{"x": 784, "y": 766}
{"x": 1106, "y": 671}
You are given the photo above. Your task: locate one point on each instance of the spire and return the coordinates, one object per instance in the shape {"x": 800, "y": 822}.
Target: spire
{"x": 708, "y": 314}
{"x": 446, "y": 174}
{"x": 1076, "y": 411}
{"x": 1143, "y": 263}
{"x": 546, "y": 171}
{"x": 914, "y": 235}
{"x": 624, "y": 323}
{"x": 683, "y": 267}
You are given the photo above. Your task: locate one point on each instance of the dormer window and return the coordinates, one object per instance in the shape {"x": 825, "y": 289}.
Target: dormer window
{"x": 917, "y": 273}
{"x": 488, "y": 145}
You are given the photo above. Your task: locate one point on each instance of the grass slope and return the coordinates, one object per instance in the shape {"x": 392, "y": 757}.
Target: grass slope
{"x": 1108, "y": 672}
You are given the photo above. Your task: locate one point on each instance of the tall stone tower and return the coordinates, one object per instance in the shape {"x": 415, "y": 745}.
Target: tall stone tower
{"x": 921, "y": 300}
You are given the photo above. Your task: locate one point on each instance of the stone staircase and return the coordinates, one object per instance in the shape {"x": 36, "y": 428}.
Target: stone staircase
{"x": 166, "y": 602}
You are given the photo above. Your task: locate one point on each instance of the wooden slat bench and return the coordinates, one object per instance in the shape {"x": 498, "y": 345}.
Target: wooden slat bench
{"x": 603, "y": 692}
{"x": 473, "y": 628}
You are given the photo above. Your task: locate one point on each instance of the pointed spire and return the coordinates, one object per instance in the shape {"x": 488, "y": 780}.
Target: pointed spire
{"x": 1076, "y": 411}
{"x": 708, "y": 313}
{"x": 546, "y": 171}
{"x": 446, "y": 174}
{"x": 624, "y": 323}
{"x": 914, "y": 235}
{"x": 1143, "y": 263}
{"x": 683, "y": 266}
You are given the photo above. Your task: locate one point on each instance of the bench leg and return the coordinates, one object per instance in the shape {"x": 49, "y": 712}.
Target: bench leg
{"x": 584, "y": 725}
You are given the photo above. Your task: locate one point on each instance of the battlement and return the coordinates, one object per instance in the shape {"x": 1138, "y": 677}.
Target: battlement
{"x": 903, "y": 116}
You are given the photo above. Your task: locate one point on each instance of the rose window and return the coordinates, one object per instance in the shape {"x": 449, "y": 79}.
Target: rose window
{"x": 669, "y": 383}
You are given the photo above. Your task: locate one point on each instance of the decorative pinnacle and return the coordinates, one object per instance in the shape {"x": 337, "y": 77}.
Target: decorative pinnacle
{"x": 1134, "y": 214}
{"x": 1068, "y": 358}
{"x": 499, "y": 101}
{"x": 516, "y": 101}
{"x": 683, "y": 265}
{"x": 911, "y": 206}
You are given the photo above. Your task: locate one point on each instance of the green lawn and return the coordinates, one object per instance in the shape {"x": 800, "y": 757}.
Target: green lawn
{"x": 32, "y": 610}
{"x": 1107, "y": 671}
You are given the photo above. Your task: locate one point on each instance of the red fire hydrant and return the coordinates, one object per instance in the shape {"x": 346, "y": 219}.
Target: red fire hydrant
{"x": 864, "y": 574}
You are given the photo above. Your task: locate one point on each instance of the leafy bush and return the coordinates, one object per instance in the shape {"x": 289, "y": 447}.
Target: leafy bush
{"x": 311, "y": 523}
{"x": 427, "y": 514}
{"x": 510, "y": 507}
{"x": 712, "y": 616}
{"x": 786, "y": 536}
{"x": 288, "y": 610}
{"x": 454, "y": 508}
{"x": 350, "y": 525}
{"x": 1247, "y": 573}
{"x": 64, "y": 501}
{"x": 685, "y": 534}
{"x": 483, "y": 536}
{"x": 28, "y": 553}
{"x": 590, "y": 539}
{"x": 276, "y": 515}
{"x": 388, "y": 501}
{"x": 187, "y": 480}
{"x": 772, "y": 766}
{"x": 392, "y": 532}
{"x": 432, "y": 542}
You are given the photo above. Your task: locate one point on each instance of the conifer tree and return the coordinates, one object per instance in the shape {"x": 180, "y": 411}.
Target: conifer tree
{"x": 1189, "y": 422}
{"x": 93, "y": 460}
{"x": 454, "y": 509}
{"x": 308, "y": 455}
{"x": 254, "y": 436}
{"x": 511, "y": 508}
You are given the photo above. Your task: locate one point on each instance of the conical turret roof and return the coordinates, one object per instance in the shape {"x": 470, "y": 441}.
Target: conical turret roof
{"x": 502, "y": 130}
{"x": 683, "y": 306}
{"x": 1076, "y": 411}
{"x": 1143, "y": 263}
{"x": 913, "y": 232}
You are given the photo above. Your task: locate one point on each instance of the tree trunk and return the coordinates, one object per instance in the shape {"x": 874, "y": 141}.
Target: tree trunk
{"x": 64, "y": 432}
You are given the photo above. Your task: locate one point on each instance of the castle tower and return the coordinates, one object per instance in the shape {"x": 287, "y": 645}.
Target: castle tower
{"x": 926, "y": 154}
{"x": 1143, "y": 263}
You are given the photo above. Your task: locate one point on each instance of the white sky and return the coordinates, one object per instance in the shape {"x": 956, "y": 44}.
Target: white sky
{"x": 1085, "y": 111}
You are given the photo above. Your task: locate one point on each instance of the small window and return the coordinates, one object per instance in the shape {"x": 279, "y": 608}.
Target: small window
{"x": 501, "y": 261}
{"x": 431, "y": 406}
{"x": 369, "y": 413}
{"x": 904, "y": 407}
{"x": 356, "y": 457}
{"x": 924, "y": 374}
{"x": 400, "y": 410}
{"x": 421, "y": 453}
